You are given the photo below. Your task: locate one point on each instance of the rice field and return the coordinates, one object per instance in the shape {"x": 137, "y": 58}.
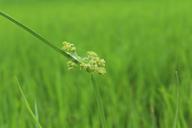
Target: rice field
{"x": 147, "y": 48}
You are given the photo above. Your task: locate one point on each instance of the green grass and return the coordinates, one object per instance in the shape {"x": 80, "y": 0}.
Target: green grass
{"x": 34, "y": 115}
{"x": 144, "y": 44}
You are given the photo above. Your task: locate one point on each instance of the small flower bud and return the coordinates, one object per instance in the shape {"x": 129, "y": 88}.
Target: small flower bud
{"x": 68, "y": 47}
{"x": 71, "y": 65}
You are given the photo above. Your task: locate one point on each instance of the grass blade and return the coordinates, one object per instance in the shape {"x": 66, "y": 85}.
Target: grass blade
{"x": 35, "y": 118}
{"x": 38, "y": 36}
{"x": 177, "y": 100}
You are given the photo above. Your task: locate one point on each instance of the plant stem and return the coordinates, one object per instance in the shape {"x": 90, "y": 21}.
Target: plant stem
{"x": 28, "y": 106}
{"x": 99, "y": 102}
{"x": 36, "y": 113}
{"x": 38, "y": 36}
{"x": 177, "y": 99}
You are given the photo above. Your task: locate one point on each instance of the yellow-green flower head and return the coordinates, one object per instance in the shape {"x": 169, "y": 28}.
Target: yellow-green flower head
{"x": 92, "y": 63}
{"x": 71, "y": 65}
{"x": 68, "y": 47}
{"x": 92, "y": 54}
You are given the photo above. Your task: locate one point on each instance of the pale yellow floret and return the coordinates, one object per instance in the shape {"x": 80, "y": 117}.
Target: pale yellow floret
{"x": 71, "y": 65}
{"x": 68, "y": 47}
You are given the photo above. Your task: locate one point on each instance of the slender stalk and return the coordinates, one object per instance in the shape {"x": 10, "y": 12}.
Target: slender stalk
{"x": 35, "y": 118}
{"x": 36, "y": 114}
{"x": 99, "y": 102}
{"x": 177, "y": 99}
{"x": 38, "y": 36}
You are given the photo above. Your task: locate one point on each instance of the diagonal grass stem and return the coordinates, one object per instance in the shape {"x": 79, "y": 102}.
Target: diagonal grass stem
{"x": 38, "y": 36}
{"x": 35, "y": 118}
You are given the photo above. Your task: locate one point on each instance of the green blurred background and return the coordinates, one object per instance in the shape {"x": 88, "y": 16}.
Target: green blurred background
{"x": 144, "y": 43}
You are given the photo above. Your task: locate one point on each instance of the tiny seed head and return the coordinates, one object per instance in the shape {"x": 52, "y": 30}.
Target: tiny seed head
{"x": 71, "y": 65}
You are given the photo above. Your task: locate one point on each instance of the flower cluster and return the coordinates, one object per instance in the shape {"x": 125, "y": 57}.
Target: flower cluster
{"x": 71, "y": 65}
{"x": 68, "y": 47}
{"x": 92, "y": 63}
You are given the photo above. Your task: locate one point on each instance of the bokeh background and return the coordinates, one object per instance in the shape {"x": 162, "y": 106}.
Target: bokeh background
{"x": 147, "y": 46}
